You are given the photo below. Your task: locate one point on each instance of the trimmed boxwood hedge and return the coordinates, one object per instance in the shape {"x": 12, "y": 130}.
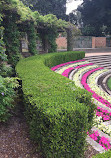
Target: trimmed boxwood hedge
{"x": 59, "y": 113}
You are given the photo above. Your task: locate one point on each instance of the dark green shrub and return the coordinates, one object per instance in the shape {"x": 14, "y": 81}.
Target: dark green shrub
{"x": 107, "y": 154}
{"x": 57, "y": 111}
{"x": 32, "y": 37}
{"x": 11, "y": 37}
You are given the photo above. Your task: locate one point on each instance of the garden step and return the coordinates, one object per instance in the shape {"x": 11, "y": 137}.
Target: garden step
{"x": 101, "y": 133}
{"x": 102, "y": 106}
{"x": 100, "y": 56}
{"x": 103, "y": 60}
{"x": 95, "y": 145}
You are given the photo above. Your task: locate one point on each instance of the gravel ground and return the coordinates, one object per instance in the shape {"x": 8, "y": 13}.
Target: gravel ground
{"x": 15, "y": 141}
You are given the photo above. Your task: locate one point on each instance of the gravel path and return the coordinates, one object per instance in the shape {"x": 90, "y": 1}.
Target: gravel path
{"x": 14, "y": 139}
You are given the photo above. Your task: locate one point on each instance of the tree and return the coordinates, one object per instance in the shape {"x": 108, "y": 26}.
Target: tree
{"x": 44, "y": 7}
{"x": 95, "y": 14}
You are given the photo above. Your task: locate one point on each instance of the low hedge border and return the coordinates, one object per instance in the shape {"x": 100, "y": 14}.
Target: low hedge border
{"x": 59, "y": 113}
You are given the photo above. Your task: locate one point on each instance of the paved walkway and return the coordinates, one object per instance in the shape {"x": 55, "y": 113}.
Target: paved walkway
{"x": 97, "y": 53}
{"x": 101, "y": 60}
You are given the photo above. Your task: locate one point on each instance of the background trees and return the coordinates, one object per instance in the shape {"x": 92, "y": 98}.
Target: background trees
{"x": 56, "y": 7}
{"x": 96, "y": 17}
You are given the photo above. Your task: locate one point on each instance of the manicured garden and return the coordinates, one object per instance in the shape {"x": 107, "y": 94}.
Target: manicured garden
{"x": 85, "y": 75}
{"x": 60, "y": 112}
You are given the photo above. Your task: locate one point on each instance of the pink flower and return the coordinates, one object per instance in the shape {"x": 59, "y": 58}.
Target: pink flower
{"x": 67, "y": 71}
{"x": 106, "y": 118}
{"x": 60, "y": 65}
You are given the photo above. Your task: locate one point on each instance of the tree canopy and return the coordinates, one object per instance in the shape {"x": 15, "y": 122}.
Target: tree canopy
{"x": 96, "y": 16}
{"x": 44, "y": 7}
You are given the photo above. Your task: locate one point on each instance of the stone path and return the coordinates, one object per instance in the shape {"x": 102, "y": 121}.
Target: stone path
{"x": 101, "y": 60}
{"x": 96, "y": 79}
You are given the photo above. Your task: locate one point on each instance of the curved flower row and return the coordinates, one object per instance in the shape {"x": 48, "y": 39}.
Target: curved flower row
{"x": 86, "y": 86}
{"x": 98, "y": 123}
{"x": 105, "y": 114}
{"x": 67, "y": 71}
{"x": 93, "y": 86}
{"x": 103, "y": 141}
{"x": 90, "y": 72}
{"x": 63, "y": 68}
{"x": 60, "y": 65}
{"x": 76, "y": 77}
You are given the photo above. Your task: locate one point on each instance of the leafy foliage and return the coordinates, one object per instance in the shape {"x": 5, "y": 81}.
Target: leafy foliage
{"x": 6, "y": 84}
{"x": 44, "y": 7}
{"x": 11, "y": 38}
{"x": 58, "y": 112}
{"x": 107, "y": 154}
{"x": 96, "y": 14}
{"x": 32, "y": 38}
{"x": 7, "y": 95}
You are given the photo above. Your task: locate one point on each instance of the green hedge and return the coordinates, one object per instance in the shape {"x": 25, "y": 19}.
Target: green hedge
{"x": 59, "y": 113}
{"x": 107, "y": 154}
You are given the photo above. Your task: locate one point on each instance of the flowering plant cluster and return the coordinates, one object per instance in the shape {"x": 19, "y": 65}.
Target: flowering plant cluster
{"x": 63, "y": 68}
{"x": 86, "y": 86}
{"x": 105, "y": 114}
{"x": 93, "y": 85}
{"x": 67, "y": 71}
{"x": 103, "y": 141}
{"x": 76, "y": 77}
{"x": 60, "y": 65}
{"x": 89, "y": 74}
{"x": 98, "y": 123}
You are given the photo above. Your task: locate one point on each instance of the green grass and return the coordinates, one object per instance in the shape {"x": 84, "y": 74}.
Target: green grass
{"x": 109, "y": 83}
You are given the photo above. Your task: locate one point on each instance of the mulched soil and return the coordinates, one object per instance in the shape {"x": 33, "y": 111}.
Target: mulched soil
{"x": 15, "y": 141}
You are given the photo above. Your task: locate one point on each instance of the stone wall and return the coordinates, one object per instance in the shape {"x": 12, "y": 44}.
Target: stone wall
{"x": 61, "y": 43}
{"x": 98, "y": 42}
{"x": 84, "y": 42}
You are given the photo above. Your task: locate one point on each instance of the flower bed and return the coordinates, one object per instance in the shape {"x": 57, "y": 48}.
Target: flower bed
{"x": 94, "y": 86}
{"x": 98, "y": 123}
{"x": 103, "y": 141}
{"x": 67, "y": 71}
{"x": 86, "y": 86}
{"x": 105, "y": 114}
{"x": 76, "y": 77}
{"x": 61, "y": 65}
{"x": 62, "y": 69}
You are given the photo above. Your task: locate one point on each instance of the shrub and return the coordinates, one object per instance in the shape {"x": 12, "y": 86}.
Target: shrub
{"x": 7, "y": 95}
{"x": 59, "y": 113}
{"x": 107, "y": 154}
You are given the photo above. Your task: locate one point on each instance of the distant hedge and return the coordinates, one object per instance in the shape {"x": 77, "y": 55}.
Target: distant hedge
{"x": 59, "y": 113}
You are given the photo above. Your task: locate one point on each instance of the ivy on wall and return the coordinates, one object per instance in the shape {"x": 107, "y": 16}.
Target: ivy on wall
{"x": 11, "y": 37}
{"x": 32, "y": 38}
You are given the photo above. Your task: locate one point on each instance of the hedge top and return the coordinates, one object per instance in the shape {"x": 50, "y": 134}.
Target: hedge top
{"x": 46, "y": 89}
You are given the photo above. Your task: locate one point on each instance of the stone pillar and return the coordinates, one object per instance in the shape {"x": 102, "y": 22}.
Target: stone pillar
{"x": 69, "y": 40}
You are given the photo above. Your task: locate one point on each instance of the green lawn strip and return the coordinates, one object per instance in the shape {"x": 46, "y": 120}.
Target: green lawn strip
{"x": 109, "y": 83}
{"x": 59, "y": 113}
{"x": 107, "y": 154}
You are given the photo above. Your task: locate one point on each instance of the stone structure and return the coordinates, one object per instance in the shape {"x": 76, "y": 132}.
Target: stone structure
{"x": 84, "y": 42}
{"x": 98, "y": 42}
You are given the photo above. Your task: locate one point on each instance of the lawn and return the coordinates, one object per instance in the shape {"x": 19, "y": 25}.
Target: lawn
{"x": 109, "y": 83}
